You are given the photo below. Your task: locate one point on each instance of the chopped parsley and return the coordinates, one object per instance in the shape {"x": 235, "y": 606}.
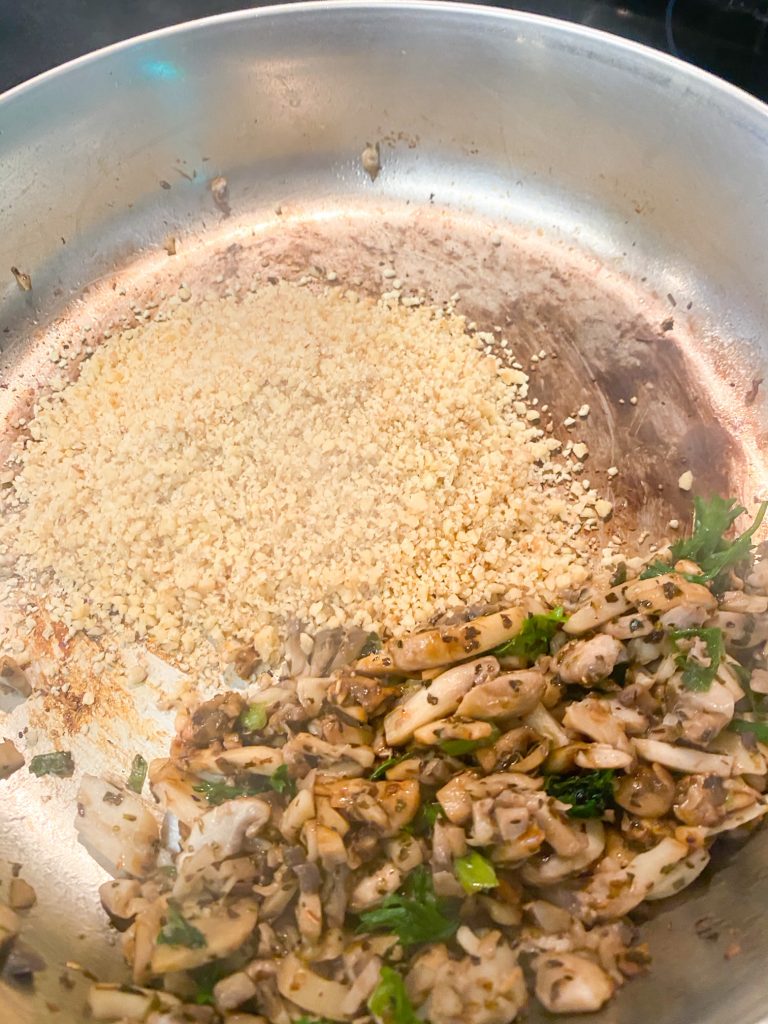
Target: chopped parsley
{"x": 475, "y": 872}
{"x": 707, "y": 546}
{"x": 58, "y": 762}
{"x": 696, "y": 676}
{"x": 533, "y": 638}
{"x": 588, "y": 793}
{"x": 282, "y": 782}
{"x": 389, "y": 1002}
{"x": 138, "y": 774}
{"x": 381, "y": 769}
{"x": 177, "y": 931}
{"x": 414, "y": 913}
{"x": 216, "y": 792}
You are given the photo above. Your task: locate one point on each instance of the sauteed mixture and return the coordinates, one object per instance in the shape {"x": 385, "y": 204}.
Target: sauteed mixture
{"x": 462, "y": 739}
{"x": 460, "y": 816}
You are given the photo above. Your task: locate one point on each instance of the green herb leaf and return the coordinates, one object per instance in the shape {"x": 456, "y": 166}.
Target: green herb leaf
{"x": 138, "y": 774}
{"x": 533, "y": 638}
{"x": 177, "y": 931}
{"x": 758, "y": 729}
{"x": 620, "y": 575}
{"x": 588, "y": 793}
{"x": 414, "y": 913}
{"x": 389, "y": 1002}
{"x": 206, "y": 978}
{"x": 458, "y": 748}
{"x": 757, "y": 701}
{"x": 254, "y": 718}
{"x": 695, "y": 676}
{"x": 475, "y": 872}
{"x": 282, "y": 782}
{"x": 381, "y": 769}
{"x": 429, "y": 813}
{"x": 707, "y": 545}
{"x": 217, "y": 792}
{"x": 372, "y": 645}
{"x": 58, "y": 762}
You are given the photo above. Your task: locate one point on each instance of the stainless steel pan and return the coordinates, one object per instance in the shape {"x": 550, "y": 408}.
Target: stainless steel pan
{"x": 572, "y": 188}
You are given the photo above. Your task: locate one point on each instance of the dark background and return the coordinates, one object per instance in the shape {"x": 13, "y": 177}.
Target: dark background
{"x": 727, "y": 37}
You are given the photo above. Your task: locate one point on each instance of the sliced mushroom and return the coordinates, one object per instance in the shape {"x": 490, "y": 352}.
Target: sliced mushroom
{"x": 311, "y": 991}
{"x": 648, "y": 791}
{"x": 552, "y": 869}
{"x": 233, "y": 991}
{"x": 700, "y": 800}
{"x": 437, "y": 699}
{"x": 593, "y": 718}
{"x": 659, "y": 594}
{"x": 127, "y": 1003}
{"x": 684, "y": 759}
{"x": 613, "y": 893}
{"x": 569, "y": 983}
{"x": 116, "y": 827}
{"x": 436, "y": 647}
{"x": 507, "y": 696}
{"x": 446, "y": 729}
{"x": 486, "y": 987}
{"x": 225, "y": 930}
{"x": 372, "y": 889}
{"x": 587, "y": 662}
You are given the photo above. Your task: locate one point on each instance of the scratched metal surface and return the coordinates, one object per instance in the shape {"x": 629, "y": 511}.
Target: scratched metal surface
{"x": 584, "y": 195}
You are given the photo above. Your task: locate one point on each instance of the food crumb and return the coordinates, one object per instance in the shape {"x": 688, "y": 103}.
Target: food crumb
{"x": 685, "y": 481}
{"x": 371, "y": 160}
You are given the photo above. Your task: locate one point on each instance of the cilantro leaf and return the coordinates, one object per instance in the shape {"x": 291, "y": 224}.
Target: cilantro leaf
{"x": 219, "y": 791}
{"x": 533, "y": 638}
{"x": 381, "y": 769}
{"x": 282, "y": 782}
{"x": 58, "y": 762}
{"x": 389, "y": 1002}
{"x": 138, "y": 774}
{"x": 177, "y": 931}
{"x": 707, "y": 545}
{"x": 696, "y": 676}
{"x": 588, "y": 793}
{"x": 254, "y": 718}
{"x": 475, "y": 872}
{"x": 414, "y": 913}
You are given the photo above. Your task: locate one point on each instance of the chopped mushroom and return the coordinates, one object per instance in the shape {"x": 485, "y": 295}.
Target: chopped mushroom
{"x": 21, "y": 895}
{"x": 569, "y": 983}
{"x": 10, "y": 759}
{"x": 589, "y": 661}
{"x": 486, "y": 987}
